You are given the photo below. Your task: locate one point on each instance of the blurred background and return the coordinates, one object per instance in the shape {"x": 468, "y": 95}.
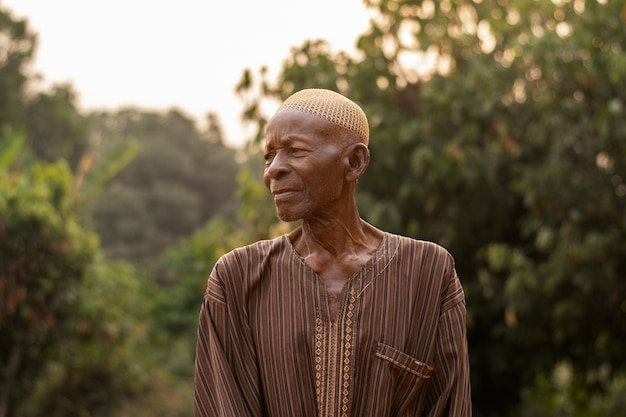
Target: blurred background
{"x": 130, "y": 161}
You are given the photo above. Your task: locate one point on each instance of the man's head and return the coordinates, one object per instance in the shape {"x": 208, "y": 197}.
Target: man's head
{"x": 315, "y": 151}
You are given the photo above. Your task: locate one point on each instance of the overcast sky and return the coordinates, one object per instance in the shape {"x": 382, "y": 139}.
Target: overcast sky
{"x": 188, "y": 54}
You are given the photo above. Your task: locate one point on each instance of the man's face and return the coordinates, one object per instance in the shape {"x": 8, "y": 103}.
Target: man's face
{"x": 304, "y": 170}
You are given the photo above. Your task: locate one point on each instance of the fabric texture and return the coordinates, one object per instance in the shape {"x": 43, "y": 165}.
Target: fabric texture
{"x": 331, "y": 106}
{"x": 396, "y": 347}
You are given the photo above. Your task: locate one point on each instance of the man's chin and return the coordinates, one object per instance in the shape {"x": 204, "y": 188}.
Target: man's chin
{"x": 288, "y": 217}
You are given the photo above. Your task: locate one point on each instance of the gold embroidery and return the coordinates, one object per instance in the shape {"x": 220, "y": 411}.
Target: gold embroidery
{"x": 333, "y": 362}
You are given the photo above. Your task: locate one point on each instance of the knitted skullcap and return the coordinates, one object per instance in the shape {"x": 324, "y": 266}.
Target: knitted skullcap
{"x": 331, "y": 106}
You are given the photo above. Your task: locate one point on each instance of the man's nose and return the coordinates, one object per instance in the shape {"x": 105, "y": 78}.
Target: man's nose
{"x": 277, "y": 167}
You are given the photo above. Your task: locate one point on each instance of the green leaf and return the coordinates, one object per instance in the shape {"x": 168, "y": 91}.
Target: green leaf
{"x": 10, "y": 147}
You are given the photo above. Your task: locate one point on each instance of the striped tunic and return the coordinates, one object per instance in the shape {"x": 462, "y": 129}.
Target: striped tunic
{"x": 268, "y": 346}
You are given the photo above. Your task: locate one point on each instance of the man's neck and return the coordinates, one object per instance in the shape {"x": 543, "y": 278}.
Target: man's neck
{"x": 335, "y": 237}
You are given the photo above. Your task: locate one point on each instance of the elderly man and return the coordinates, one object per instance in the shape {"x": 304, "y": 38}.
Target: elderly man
{"x": 336, "y": 318}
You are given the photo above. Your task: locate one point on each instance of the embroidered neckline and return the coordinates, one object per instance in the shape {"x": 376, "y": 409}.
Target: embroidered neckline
{"x": 333, "y": 339}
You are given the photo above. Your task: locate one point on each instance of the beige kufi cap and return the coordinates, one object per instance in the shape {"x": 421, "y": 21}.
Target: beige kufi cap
{"x": 331, "y": 106}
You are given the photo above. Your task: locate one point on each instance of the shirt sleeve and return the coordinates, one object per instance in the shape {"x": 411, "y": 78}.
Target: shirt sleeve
{"x": 450, "y": 393}
{"x": 225, "y": 382}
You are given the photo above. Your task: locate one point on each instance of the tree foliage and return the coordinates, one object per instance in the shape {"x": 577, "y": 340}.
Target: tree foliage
{"x": 73, "y": 326}
{"x": 44, "y": 255}
{"x": 105, "y": 360}
{"x": 498, "y": 130}
{"x": 16, "y": 51}
{"x": 54, "y": 128}
{"x": 178, "y": 180}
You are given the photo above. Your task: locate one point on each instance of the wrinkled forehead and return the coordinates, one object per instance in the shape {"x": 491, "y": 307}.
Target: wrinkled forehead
{"x": 290, "y": 126}
{"x": 330, "y": 106}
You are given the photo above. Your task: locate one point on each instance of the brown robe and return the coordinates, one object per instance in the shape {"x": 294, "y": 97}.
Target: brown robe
{"x": 268, "y": 346}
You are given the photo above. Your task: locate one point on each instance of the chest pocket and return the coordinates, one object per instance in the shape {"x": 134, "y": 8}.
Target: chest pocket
{"x": 409, "y": 375}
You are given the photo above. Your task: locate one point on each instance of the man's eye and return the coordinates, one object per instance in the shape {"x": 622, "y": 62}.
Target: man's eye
{"x": 268, "y": 157}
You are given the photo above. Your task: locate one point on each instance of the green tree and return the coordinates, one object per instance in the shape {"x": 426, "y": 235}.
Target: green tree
{"x": 55, "y": 128}
{"x": 16, "y": 51}
{"x": 106, "y": 359}
{"x": 498, "y": 130}
{"x": 44, "y": 255}
{"x": 179, "y": 179}
{"x": 76, "y": 333}
{"x": 73, "y": 327}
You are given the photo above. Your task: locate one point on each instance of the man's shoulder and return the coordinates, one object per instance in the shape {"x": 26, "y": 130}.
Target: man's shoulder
{"x": 419, "y": 246}
{"x": 256, "y": 250}
{"x": 427, "y": 260}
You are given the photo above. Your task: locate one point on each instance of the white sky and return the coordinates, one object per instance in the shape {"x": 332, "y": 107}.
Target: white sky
{"x": 188, "y": 54}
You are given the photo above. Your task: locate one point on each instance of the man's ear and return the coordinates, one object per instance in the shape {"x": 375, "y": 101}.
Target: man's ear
{"x": 358, "y": 158}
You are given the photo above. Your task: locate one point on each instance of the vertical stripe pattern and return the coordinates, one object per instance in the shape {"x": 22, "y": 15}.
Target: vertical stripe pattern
{"x": 267, "y": 345}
